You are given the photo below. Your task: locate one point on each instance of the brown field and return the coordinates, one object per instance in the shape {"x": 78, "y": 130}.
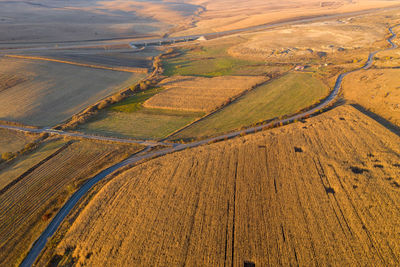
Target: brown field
{"x": 55, "y": 91}
{"x": 201, "y": 94}
{"x": 376, "y": 90}
{"x": 28, "y": 204}
{"x": 12, "y": 141}
{"x": 39, "y": 21}
{"x": 9, "y": 80}
{"x": 323, "y": 192}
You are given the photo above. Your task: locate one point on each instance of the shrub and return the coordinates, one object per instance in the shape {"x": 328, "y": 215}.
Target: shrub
{"x": 7, "y": 156}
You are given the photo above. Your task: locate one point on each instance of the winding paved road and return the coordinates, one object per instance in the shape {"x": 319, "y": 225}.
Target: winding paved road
{"x": 40, "y": 243}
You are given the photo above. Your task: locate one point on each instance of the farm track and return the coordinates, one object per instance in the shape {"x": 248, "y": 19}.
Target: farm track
{"x": 130, "y": 70}
{"x": 71, "y": 203}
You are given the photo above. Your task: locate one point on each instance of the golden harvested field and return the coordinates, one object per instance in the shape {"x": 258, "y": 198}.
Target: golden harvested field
{"x": 9, "y": 172}
{"x": 11, "y": 141}
{"x": 234, "y": 14}
{"x": 376, "y": 90}
{"x": 333, "y": 202}
{"x": 54, "y": 91}
{"x": 33, "y": 198}
{"x": 201, "y": 94}
{"x": 388, "y": 59}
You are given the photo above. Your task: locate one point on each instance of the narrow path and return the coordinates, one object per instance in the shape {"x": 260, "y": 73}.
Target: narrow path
{"x": 50, "y": 131}
{"x": 40, "y": 243}
{"x": 130, "y": 70}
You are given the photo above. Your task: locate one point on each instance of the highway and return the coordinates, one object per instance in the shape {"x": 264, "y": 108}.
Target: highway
{"x": 40, "y": 243}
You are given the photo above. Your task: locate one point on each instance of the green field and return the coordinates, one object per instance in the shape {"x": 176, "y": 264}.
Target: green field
{"x": 209, "y": 62}
{"x": 130, "y": 119}
{"x": 138, "y": 125}
{"x": 285, "y": 95}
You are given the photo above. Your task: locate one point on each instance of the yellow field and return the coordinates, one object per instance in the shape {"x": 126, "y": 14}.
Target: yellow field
{"x": 201, "y": 94}
{"x": 376, "y": 90}
{"x": 32, "y": 198}
{"x": 323, "y": 192}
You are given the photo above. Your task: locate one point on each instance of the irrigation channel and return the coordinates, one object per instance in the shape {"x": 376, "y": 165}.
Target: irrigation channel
{"x": 40, "y": 243}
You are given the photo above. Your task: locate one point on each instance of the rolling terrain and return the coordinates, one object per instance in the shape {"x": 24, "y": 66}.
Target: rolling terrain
{"x": 321, "y": 192}
{"x": 129, "y": 175}
{"x": 52, "y": 92}
{"x": 35, "y": 187}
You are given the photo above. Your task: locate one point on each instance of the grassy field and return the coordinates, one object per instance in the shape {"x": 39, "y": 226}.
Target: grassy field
{"x": 334, "y": 202}
{"x": 377, "y": 91}
{"x": 199, "y": 93}
{"x": 129, "y": 118}
{"x": 142, "y": 124}
{"x": 12, "y": 141}
{"x": 285, "y": 95}
{"x": 27, "y": 206}
{"x": 206, "y": 61}
{"x": 53, "y": 92}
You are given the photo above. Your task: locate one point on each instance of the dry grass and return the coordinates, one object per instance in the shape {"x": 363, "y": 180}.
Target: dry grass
{"x": 55, "y": 91}
{"x": 343, "y": 40}
{"x": 11, "y": 141}
{"x": 334, "y": 202}
{"x": 201, "y": 94}
{"x": 28, "y": 205}
{"x": 376, "y": 90}
{"x": 233, "y": 14}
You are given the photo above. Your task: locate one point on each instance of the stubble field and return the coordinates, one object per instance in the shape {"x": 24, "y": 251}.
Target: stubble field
{"x": 323, "y": 192}
{"x": 38, "y": 185}
{"x": 53, "y": 92}
{"x": 201, "y": 94}
{"x": 376, "y": 90}
{"x": 11, "y": 141}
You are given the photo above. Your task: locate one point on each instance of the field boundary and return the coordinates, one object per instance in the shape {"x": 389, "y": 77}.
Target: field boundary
{"x": 33, "y": 168}
{"x": 234, "y": 99}
{"x": 130, "y": 70}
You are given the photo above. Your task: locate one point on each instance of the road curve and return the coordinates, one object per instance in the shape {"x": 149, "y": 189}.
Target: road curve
{"x": 40, "y": 243}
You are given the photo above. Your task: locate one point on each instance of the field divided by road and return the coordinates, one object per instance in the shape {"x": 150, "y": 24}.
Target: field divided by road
{"x": 28, "y": 205}
{"x": 321, "y": 192}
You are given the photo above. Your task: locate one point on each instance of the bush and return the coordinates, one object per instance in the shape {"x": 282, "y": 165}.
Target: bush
{"x": 7, "y": 156}
{"x": 143, "y": 86}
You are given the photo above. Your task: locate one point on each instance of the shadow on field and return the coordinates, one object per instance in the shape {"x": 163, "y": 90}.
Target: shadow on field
{"x": 382, "y": 121}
